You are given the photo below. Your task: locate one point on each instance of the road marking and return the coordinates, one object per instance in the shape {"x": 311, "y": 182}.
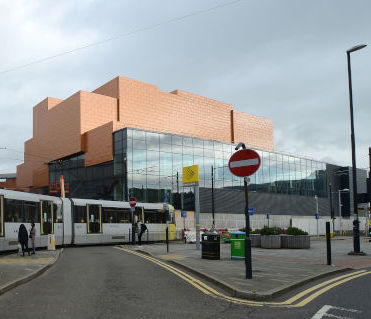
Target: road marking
{"x": 323, "y": 312}
{"x": 309, "y": 290}
{"x": 323, "y": 290}
{"x": 216, "y": 294}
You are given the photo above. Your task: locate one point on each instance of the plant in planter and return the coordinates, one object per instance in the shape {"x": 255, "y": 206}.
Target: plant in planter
{"x": 296, "y": 239}
{"x": 270, "y": 237}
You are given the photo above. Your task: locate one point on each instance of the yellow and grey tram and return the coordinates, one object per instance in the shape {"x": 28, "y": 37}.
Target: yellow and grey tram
{"x": 74, "y": 221}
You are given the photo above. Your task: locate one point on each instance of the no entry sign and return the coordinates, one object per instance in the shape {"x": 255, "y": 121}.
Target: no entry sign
{"x": 132, "y": 201}
{"x": 244, "y": 163}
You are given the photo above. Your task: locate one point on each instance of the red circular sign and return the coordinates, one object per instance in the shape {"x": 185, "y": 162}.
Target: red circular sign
{"x": 244, "y": 163}
{"x": 132, "y": 201}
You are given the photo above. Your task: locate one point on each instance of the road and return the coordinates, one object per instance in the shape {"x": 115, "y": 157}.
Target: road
{"x": 104, "y": 282}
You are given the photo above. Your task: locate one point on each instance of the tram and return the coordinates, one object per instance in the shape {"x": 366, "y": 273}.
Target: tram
{"x": 74, "y": 221}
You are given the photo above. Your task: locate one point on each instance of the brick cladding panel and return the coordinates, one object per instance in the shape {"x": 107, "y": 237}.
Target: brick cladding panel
{"x": 109, "y": 89}
{"x": 144, "y": 106}
{"x": 56, "y": 135}
{"x": 254, "y": 131}
{"x": 9, "y": 184}
{"x": 96, "y": 110}
{"x": 100, "y": 148}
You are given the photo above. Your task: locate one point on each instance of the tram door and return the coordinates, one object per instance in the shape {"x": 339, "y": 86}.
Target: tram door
{"x": 94, "y": 218}
{"x": 47, "y": 217}
{"x": 1, "y": 216}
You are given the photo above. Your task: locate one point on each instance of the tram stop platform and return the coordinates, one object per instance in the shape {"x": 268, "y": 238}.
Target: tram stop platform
{"x": 275, "y": 271}
{"x": 16, "y": 270}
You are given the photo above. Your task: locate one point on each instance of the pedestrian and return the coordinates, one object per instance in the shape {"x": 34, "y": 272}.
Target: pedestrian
{"x": 32, "y": 236}
{"x": 142, "y": 230}
{"x": 23, "y": 238}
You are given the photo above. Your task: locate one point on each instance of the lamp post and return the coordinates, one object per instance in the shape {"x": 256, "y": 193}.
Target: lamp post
{"x": 317, "y": 213}
{"x": 356, "y": 244}
{"x": 340, "y": 221}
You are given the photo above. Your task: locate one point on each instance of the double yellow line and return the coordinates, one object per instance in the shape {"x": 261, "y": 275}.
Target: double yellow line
{"x": 311, "y": 293}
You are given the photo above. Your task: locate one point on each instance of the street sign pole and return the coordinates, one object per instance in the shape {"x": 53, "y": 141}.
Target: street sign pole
{"x": 191, "y": 178}
{"x": 248, "y": 268}
{"x": 197, "y": 212}
{"x": 245, "y": 163}
{"x": 132, "y": 203}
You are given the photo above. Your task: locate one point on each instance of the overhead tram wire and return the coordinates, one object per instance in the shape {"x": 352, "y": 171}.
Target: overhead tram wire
{"x": 147, "y": 28}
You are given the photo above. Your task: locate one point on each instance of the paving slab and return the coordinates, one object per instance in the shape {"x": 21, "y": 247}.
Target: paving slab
{"x": 275, "y": 271}
{"x": 16, "y": 270}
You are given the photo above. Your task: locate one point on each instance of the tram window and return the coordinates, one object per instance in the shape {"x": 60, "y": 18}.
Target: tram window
{"x": 47, "y": 226}
{"x": 94, "y": 215}
{"x": 57, "y": 214}
{"x": 30, "y": 212}
{"x": 79, "y": 214}
{"x": 154, "y": 217}
{"x": 124, "y": 216}
{"x": 109, "y": 215}
{"x": 13, "y": 211}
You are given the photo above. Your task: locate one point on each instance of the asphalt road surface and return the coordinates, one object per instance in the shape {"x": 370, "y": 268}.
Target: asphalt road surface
{"x": 103, "y": 282}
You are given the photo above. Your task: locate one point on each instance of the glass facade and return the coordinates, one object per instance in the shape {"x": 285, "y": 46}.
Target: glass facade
{"x": 154, "y": 161}
{"x": 95, "y": 182}
{"x": 148, "y": 165}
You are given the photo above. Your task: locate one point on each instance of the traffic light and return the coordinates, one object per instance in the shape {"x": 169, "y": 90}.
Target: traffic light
{"x": 369, "y": 231}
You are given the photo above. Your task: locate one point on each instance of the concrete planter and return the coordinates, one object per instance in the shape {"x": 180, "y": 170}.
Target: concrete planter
{"x": 295, "y": 242}
{"x": 255, "y": 240}
{"x": 271, "y": 241}
{"x": 285, "y": 240}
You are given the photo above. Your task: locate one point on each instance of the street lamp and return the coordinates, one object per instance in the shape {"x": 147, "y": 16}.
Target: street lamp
{"x": 340, "y": 191}
{"x": 356, "y": 244}
{"x": 317, "y": 213}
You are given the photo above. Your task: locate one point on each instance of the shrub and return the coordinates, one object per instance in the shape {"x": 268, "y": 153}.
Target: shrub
{"x": 255, "y": 231}
{"x": 295, "y": 231}
{"x": 244, "y": 228}
{"x": 270, "y": 231}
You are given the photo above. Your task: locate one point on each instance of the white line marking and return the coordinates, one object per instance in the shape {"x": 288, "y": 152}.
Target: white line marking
{"x": 320, "y": 313}
{"x": 345, "y": 309}
{"x": 249, "y": 162}
{"x": 323, "y": 312}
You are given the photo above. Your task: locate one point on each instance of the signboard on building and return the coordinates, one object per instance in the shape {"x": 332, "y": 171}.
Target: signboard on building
{"x": 190, "y": 175}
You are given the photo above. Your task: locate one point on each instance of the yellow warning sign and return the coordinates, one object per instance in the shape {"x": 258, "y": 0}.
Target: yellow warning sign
{"x": 190, "y": 174}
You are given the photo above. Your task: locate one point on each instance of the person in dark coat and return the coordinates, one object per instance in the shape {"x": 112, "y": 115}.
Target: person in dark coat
{"x": 141, "y": 231}
{"x": 23, "y": 238}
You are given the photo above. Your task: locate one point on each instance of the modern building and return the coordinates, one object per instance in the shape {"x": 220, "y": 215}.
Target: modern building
{"x": 128, "y": 138}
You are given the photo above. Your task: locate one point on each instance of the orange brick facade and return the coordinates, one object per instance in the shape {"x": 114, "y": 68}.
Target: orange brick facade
{"x": 84, "y": 122}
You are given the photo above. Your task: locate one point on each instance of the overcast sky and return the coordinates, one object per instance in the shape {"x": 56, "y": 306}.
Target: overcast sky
{"x": 282, "y": 60}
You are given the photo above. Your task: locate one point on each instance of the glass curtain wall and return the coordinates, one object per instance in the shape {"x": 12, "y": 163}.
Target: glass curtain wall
{"x": 153, "y": 165}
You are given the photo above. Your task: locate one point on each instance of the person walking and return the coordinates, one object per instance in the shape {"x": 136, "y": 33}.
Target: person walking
{"x": 32, "y": 236}
{"x": 23, "y": 238}
{"x": 142, "y": 230}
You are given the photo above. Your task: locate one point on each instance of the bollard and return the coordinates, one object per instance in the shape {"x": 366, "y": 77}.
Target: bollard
{"x": 328, "y": 243}
{"x": 356, "y": 243}
{"x": 147, "y": 235}
{"x": 167, "y": 239}
{"x": 129, "y": 237}
{"x": 132, "y": 235}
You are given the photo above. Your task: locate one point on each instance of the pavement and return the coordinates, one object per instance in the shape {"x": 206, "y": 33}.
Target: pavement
{"x": 16, "y": 270}
{"x": 275, "y": 271}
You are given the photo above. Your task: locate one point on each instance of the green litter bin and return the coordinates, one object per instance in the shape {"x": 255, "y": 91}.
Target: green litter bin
{"x": 237, "y": 245}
